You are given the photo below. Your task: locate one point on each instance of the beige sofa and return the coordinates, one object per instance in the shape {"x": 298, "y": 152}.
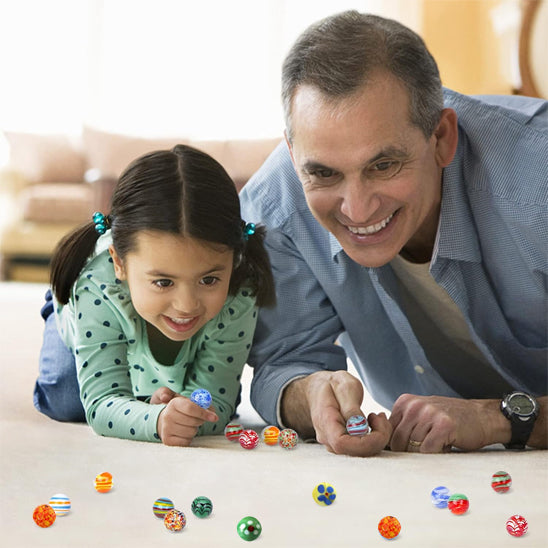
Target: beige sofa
{"x": 55, "y": 182}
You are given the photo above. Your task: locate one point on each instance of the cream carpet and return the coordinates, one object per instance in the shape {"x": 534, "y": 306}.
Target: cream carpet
{"x": 40, "y": 457}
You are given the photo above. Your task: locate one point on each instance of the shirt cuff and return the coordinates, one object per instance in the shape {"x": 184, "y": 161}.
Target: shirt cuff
{"x": 279, "y": 406}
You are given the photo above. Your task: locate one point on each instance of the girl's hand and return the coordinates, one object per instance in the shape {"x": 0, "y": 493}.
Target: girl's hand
{"x": 180, "y": 419}
{"x": 163, "y": 395}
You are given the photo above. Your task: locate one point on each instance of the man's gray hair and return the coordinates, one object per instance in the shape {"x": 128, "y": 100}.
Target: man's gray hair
{"x": 340, "y": 54}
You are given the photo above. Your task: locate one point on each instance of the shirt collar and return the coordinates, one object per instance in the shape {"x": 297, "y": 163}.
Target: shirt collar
{"x": 456, "y": 237}
{"x": 335, "y": 246}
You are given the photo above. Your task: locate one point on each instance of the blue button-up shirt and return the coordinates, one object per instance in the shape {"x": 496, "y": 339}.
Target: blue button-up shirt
{"x": 490, "y": 255}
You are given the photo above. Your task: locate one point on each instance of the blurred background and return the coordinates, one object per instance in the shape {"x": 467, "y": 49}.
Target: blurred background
{"x": 206, "y": 70}
{"x": 211, "y": 68}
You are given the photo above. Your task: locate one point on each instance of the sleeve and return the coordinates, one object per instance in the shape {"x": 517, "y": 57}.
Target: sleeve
{"x": 297, "y": 336}
{"x": 221, "y": 356}
{"x": 103, "y": 373}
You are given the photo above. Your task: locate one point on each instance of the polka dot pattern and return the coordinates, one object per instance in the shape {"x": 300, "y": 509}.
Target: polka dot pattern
{"x": 120, "y": 374}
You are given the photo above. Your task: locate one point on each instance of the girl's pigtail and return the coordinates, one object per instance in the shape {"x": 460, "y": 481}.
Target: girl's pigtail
{"x": 254, "y": 268}
{"x": 70, "y": 257}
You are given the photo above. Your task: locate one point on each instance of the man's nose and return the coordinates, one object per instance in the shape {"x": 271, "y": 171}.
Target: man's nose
{"x": 359, "y": 200}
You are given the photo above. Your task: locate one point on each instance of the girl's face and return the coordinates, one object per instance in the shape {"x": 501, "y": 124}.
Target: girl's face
{"x": 177, "y": 283}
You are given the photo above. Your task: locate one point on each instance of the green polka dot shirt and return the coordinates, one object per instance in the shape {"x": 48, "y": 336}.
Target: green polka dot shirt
{"x": 117, "y": 372}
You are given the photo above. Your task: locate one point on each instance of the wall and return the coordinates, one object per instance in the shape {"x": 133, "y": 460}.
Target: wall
{"x": 474, "y": 42}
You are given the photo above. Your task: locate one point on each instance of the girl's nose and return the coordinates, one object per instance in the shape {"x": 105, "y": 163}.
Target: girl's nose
{"x": 186, "y": 301}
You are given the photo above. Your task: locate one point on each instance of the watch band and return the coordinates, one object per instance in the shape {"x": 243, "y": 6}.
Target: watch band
{"x": 522, "y": 423}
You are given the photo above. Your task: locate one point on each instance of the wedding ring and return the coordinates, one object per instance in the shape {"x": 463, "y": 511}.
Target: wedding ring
{"x": 414, "y": 443}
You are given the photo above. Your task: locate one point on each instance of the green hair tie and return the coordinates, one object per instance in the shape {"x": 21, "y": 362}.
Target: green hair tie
{"x": 248, "y": 230}
{"x": 102, "y": 222}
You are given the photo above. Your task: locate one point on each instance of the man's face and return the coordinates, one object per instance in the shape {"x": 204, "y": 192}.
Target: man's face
{"x": 370, "y": 177}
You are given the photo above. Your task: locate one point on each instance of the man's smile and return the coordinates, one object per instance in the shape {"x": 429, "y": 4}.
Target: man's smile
{"x": 371, "y": 229}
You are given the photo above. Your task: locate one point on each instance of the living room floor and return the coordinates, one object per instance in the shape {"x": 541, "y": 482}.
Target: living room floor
{"x": 40, "y": 457}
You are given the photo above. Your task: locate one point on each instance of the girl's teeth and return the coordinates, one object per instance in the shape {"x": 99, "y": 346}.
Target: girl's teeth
{"x": 181, "y": 321}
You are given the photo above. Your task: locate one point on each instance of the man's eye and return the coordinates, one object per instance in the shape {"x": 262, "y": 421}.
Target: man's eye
{"x": 162, "y": 284}
{"x": 324, "y": 173}
{"x": 320, "y": 173}
{"x": 384, "y": 169}
{"x": 210, "y": 280}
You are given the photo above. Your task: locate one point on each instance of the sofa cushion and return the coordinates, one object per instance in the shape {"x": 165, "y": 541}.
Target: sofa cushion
{"x": 57, "y": 203}
{"x": 46, "y": 157}
{"x": 111, "y": 153}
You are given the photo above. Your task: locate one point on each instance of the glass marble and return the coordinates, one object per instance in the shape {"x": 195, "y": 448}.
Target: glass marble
{"x": 501, "y": 482}
{"x": 233, "y": 431}
{"x": 249, "y": 439}
{"x": 324, "y": 494}
{"x": 201, "y": 507}
{"x": 175, "y": 520}
{"x": 357, "y": 425}
{"x": 103, "y": 482}
{"x": 60, "y": 504}
{"x": 288, "y": 438}
{"x": 270, "y": 435}
{"x": 458, "y": 503}
{"x": 162, "y": 506}
{"x": 439, "y": 496}
{"x": 389, "y": 527}
{"x": 201, "y": 397}
{"x": 516, "y": 525}
{"x": 249, "y": 528}
{"x": 44, "y": 515}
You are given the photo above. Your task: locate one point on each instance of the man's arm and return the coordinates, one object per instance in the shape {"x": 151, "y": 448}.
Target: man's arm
{"x": 438, "y": 423}
{"x": 296, "y": 337}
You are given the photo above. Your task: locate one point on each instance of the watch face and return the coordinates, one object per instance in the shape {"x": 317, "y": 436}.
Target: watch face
{"x": 521, "y": 404}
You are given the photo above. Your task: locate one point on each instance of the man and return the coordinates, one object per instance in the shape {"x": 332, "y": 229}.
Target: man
{"x": 410, "y": 224}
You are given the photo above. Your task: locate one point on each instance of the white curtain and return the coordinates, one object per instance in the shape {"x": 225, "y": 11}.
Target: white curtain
{"x": 203, "y": 68}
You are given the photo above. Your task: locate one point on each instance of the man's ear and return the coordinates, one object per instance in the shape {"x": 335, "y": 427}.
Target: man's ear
{"x": 447, "y": 135}
{"x": 119, "y": 269}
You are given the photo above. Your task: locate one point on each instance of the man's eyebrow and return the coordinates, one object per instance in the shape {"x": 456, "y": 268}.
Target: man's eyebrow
{"x": 312, "y": 165}
{"x": 395, "y": 153}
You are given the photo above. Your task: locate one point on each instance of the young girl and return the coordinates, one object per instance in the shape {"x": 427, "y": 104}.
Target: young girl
{"x": 159, "y": 298}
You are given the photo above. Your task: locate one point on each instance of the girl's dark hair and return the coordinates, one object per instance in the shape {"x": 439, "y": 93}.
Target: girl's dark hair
{"x": 182, "y": 191}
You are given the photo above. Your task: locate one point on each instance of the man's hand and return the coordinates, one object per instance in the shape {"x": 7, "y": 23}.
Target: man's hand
{"x": 320, "y": 404}
{"x": 434, "y": 424}
{"x": 180, "y": 419}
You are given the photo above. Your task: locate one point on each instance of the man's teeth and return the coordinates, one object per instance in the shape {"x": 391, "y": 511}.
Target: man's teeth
{"x": 370, "y": 229}
{"x": 181, "y": 321}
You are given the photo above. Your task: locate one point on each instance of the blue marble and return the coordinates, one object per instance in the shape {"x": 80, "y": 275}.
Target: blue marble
{"x": 201, "y": 397}
{"x": 439, "y": 496}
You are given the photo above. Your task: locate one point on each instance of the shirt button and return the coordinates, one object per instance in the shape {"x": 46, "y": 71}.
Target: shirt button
{"x": 419, "y": 369}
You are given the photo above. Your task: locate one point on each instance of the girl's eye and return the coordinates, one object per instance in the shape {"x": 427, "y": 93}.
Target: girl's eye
{"x": 162, "y": 284}
{"x": 209, "y": 280}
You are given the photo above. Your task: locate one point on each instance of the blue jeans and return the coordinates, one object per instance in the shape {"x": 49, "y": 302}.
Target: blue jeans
{"x": 56, "y": 392}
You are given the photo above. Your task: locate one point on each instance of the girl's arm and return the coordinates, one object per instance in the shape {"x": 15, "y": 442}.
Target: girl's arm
{"x": 101, "y": 349}
{"x": 221, "y": 356}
